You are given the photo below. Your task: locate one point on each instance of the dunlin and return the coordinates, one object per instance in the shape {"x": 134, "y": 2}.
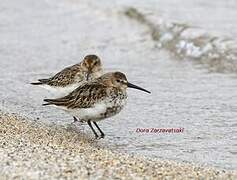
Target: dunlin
{"x": 71, "y": 77}
{"x": 96, "y": 100}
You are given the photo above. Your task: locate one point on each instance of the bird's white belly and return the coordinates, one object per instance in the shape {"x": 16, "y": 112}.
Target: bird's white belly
{"x": 98, "y": 112}
{"x": 89, "y": 113}
{"x": 60, "y": 91}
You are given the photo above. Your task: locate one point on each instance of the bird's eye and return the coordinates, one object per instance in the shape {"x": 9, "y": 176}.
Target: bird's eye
{"x": 96, "y": 63}
{"x": 118, "y": 80}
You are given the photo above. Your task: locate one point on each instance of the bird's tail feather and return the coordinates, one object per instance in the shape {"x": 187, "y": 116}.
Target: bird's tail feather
{"x": 36, "y": 83}
{"x": 57, "y": 102}
{"x": 45, "y": 104}
{"x": 41, "y": 81}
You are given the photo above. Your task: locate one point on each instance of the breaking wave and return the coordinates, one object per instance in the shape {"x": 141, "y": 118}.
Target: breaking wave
{"x": 187, "y": 42}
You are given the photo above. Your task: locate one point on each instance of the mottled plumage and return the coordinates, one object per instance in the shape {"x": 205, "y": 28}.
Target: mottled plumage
{"x": 97, "y": 99}
{"x": 71, "y": 77}
{"x": 67, "y": 76}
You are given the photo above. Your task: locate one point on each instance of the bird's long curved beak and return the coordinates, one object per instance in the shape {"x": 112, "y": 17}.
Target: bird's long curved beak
{"x": 130, "y": 85}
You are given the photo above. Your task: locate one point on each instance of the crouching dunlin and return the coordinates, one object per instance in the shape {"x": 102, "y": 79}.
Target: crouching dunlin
{"x": 71, "y": 77}
{"x": 96, "y": 100}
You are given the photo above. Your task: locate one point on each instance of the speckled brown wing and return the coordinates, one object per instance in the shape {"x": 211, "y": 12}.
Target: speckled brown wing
{"x": 65, "y": 77}
{"x": 85, "y": 96}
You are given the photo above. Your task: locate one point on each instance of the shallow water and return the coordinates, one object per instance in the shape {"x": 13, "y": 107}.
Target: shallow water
{"x": 39, "y": 38}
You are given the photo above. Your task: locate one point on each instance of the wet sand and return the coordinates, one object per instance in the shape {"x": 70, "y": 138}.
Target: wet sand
{"x": 33, "y": 150}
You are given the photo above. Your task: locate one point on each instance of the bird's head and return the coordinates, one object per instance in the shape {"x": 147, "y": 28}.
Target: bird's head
{"x": 119, "y": 80}
{"x": 92, "y": 66}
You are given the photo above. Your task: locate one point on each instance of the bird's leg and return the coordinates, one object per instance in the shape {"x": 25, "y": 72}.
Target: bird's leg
{"x": 75, "y": 119}
{"x": 96, "y": 135}
{"x": 101, "y": 132}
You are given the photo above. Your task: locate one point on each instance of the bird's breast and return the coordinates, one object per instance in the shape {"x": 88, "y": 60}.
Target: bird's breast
{"x": 115, "y": 104}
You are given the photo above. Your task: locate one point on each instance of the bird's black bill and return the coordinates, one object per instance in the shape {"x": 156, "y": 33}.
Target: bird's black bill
{"x": 137, "y": 87}
{"x": 88, "y": 76}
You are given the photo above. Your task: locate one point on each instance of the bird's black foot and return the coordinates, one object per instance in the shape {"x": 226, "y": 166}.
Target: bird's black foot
{"x": 75, "y": 119}
{"x": 102, "y": 136}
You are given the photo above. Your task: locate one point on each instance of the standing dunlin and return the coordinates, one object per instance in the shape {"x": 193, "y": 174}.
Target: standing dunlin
{"x": 96, "y": 100}
{"x": 72, "y": 77}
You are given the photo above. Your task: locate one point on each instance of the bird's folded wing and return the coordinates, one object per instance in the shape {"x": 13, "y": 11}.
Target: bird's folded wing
{"x": 85, "y": 96}
{"x": 64, "y": 77}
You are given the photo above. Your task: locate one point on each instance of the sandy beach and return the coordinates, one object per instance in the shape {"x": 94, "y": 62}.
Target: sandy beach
{"x": 32, "y": 150}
